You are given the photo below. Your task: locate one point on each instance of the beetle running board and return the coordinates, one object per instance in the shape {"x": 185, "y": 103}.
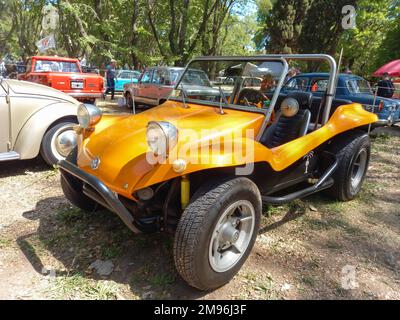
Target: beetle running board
{"x": 11, "y": 155}
{"x": 325, "y": 182}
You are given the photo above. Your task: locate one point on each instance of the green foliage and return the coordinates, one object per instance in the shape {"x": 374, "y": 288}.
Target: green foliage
{"x": 374, "y": 40}
{"x": 314, "y": 26}
{"x": 134, "y": 32}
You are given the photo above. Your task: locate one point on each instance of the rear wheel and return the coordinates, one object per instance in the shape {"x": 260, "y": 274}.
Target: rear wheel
{"x": 353, "y": 152}
{"x": 58, "y": 142}
{"x": 216, "y": 233}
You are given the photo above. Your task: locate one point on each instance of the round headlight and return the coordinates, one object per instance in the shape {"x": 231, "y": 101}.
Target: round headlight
{"x": 88, "y": 115}
{"x": 161, "y": 137}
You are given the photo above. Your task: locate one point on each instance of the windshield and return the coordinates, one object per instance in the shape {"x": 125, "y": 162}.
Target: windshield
{"x": 248, "y": 83}
{"x": 358, "y": 86}
{"x": 55, "y": 66}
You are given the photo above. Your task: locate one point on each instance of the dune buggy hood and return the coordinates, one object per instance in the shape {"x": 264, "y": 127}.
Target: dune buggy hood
{"x": 120, "y": 143}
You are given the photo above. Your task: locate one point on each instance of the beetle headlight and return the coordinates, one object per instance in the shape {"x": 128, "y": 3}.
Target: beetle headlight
{"x": 162, "y": 136}
{"x": 88, "y": 115}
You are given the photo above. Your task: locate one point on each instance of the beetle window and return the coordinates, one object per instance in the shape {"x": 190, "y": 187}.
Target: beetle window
{"x": 297, "y": 84}
{"x": 319, "y": 85}
{"x": 358, "y": 85}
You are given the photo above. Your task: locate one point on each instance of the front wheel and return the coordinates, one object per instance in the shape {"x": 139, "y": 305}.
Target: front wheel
{"x": 73, "y": 188}
{"x": 216, "y": 233}
{"x": 58, "y": 142}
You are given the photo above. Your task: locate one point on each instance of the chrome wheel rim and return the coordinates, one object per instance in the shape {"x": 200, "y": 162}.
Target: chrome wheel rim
{"x": 63, "y": 141}
{"x": 358, "y": 169}
{"x": 231, "y": 236}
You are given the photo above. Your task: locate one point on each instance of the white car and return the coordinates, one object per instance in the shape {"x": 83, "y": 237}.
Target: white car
{"x": 34, "y": 119}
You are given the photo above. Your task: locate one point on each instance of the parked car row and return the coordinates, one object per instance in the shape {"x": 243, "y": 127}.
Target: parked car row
{"x": 155, "y": 85}
{"x": 349, "y": 87}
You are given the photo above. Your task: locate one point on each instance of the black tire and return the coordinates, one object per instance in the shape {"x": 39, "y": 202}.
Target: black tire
{"x": 197, "y": 225}
{"x": 348, "y": 149}
{"x": 48, "y": 150}
{"x": 72, "y": 189}
{"x": 129, "y": 101}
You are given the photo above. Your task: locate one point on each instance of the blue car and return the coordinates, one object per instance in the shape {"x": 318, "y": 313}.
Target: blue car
{"x": 350, "y": 88}
{"x": 126, "y": 76}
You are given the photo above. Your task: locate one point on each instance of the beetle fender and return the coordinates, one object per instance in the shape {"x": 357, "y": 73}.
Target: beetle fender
{"x": 29, "y": 138}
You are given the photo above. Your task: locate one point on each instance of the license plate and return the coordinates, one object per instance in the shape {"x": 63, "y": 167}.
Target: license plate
{"x": 76, "y": 84}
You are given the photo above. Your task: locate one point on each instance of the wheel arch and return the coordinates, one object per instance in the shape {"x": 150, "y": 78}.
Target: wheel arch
{"x": 29, "y": 138}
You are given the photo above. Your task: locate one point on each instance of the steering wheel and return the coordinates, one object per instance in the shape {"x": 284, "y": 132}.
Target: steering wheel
{"x": 252, "y": 97}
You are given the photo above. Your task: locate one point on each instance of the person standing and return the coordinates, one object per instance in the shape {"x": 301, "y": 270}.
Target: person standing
{"x": 385, "y": 87}
{"x": 3, "y": 70}
{"x": 110, "y": 77}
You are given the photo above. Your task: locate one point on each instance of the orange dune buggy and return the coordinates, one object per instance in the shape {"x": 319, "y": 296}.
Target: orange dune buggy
{"x": 201, "y": 164}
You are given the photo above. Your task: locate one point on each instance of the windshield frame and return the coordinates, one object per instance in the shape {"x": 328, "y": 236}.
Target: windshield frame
{"x": 285, "y": 68}
{"x": 330, "y": 92}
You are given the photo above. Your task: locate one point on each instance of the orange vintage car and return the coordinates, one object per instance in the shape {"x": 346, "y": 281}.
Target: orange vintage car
{"x": 66, "y": 75}
{"x": 201, "y": 165}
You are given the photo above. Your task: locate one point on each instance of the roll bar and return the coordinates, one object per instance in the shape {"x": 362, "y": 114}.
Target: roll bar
{"x": 330, "y": 92}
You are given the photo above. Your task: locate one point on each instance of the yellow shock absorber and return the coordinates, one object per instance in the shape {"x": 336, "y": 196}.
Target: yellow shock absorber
{"x": 185, "y": 191}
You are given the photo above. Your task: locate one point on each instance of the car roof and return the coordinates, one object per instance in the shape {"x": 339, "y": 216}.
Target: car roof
{"x": 127, "y": 70}
{"x": 325, "y": 74}
{"x": 166, "y": 67}
{"x": 55, "y": 58}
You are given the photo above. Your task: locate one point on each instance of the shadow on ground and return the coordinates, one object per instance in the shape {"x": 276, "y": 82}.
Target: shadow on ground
{"x": 21, "y": 167}
{"x": 76, "y": 239}
{"x": 390, "y": 131}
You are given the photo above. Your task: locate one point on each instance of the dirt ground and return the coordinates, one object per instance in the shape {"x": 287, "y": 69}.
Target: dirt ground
{"x": 315, "y": 248}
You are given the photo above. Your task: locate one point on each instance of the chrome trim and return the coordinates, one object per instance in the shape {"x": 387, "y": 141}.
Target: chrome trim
{"x": 11, "y": 155}
{"x": 84, "y": 95}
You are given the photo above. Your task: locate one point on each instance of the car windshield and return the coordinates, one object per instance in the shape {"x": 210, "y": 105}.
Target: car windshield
{"x": 358, "y": 86}
{"x": 175, "y": 74}
{"x": 196, "y": 77}
{"x": 240, "y": 82}
{"x": 55, "y": 66}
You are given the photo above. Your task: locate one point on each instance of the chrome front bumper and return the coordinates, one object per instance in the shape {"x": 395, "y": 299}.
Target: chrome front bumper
{"x": 99, "y": 193}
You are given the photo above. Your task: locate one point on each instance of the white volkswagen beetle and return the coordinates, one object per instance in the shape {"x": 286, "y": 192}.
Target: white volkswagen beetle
{"x": 35, "y": 119}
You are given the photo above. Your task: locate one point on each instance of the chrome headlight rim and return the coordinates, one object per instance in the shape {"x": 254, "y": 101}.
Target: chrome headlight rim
{"x": 88, "y": 115}
{"x": 169, "y": 135}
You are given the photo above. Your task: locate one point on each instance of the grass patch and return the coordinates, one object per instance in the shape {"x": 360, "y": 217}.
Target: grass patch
{"x": 76, "y": 286}
{"x": 6, "y": 243}
{"x": 110, "y": 251}
{"x": 69, "y": 215}
{"x": 269, "y": 210}
{"x": 309, "y": 280}
{"x": 163, "y": 279}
